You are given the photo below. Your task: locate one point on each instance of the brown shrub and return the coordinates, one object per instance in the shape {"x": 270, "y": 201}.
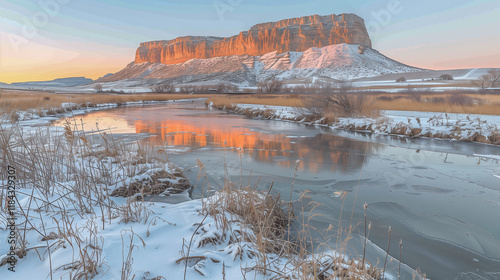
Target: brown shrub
{"x": 154, "y": 186}
{"x": 337, "y": 105}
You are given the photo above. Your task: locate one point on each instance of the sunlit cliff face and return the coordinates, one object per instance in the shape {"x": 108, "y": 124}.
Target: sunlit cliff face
{"x": 279, "y": 149}
{"x": 296, "y": 34}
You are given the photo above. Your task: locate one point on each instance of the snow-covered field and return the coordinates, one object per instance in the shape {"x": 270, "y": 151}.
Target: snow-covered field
{"x": 342, "y": 62}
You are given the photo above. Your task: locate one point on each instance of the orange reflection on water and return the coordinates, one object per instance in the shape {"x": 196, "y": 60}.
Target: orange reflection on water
{"x": 316, "y": 153}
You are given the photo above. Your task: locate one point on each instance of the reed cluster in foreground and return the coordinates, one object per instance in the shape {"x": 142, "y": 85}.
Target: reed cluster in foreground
{"x": 266, "y": 229}
{"x": 62, "y": 201}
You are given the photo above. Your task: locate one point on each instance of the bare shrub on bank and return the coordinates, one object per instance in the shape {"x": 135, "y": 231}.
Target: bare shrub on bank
{"x": 494, "y": 75}
{"x": 186, "y": 89}
{"x": 270, "y": 86}
{"x": 98, "y": 87}
{"x": 194, "y": 89}
{"x": 201, "y": 89}
{"x": 482, "y": 82}
{"x": 446, "y": 77}
{"x": 227, "y": 88}
{"x": 490, "y": 80}
{"x": 163, "y": 88}
{"x": 336, "y": 100}
{"x": 314, "y": 88}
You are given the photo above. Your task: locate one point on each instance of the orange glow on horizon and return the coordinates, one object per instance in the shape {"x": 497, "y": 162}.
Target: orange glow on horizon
{"x": 46, "y": 73}
{"x": 23, "y": 60}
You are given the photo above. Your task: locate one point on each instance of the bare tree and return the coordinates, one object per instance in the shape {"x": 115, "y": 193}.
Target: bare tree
{"x": 163, "y": 88}
{"x": 446, "y": 77}
{"x": 187, "y": 89}
{"x": 494, "y": 77}
{"x": 481, "y": 82}
{"x": 98, "y": 87}
{"x": 270, "y": 86}
{"x": 227, "y": 88}
{"x": 235, "y": 88}
{"x": 201, "y": 89}
{"x": 335, "y": 100}
{"x": 221, "y": 88}
{"x": 309, "y": 88}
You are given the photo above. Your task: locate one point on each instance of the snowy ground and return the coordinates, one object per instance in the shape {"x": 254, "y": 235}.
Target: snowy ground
{"x": 156, "y": 243}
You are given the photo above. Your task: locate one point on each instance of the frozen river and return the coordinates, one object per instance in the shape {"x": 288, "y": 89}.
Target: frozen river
{"x": 440, "y": 199}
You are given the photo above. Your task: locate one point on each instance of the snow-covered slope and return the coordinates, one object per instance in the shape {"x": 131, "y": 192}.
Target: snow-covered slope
{"x": 341, "y": 61}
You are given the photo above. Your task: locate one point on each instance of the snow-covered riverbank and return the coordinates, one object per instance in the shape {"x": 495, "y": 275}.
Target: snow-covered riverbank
{"x": 455, "y": 127}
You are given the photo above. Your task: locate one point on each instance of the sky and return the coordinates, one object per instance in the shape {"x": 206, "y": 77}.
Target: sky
{"x": 48, "y": 39}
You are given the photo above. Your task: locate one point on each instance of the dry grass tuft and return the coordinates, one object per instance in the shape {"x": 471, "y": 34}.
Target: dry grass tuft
{"x": 134, "y": 212}
{"x": 157, "y": 183}
{"x": 264, "y": 213}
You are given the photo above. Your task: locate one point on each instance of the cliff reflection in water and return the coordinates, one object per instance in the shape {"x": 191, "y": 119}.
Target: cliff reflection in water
{"x": 316, "y": 153}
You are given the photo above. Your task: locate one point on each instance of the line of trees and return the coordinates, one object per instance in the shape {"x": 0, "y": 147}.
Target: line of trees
{"x": 163, "y": 88}
{"x": 219, "y": 88}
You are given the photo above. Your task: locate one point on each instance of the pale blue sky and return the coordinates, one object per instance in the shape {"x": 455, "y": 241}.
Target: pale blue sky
{"x": 95, "y": 37}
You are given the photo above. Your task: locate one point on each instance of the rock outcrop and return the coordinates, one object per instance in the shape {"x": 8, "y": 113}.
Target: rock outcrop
{"x": 340, "y": 62}
{"x": 296, "y": 34}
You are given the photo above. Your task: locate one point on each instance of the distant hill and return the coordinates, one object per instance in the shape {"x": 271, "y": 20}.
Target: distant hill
{"x": 332, "y": 46}
{"x": 62, "y": 82}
